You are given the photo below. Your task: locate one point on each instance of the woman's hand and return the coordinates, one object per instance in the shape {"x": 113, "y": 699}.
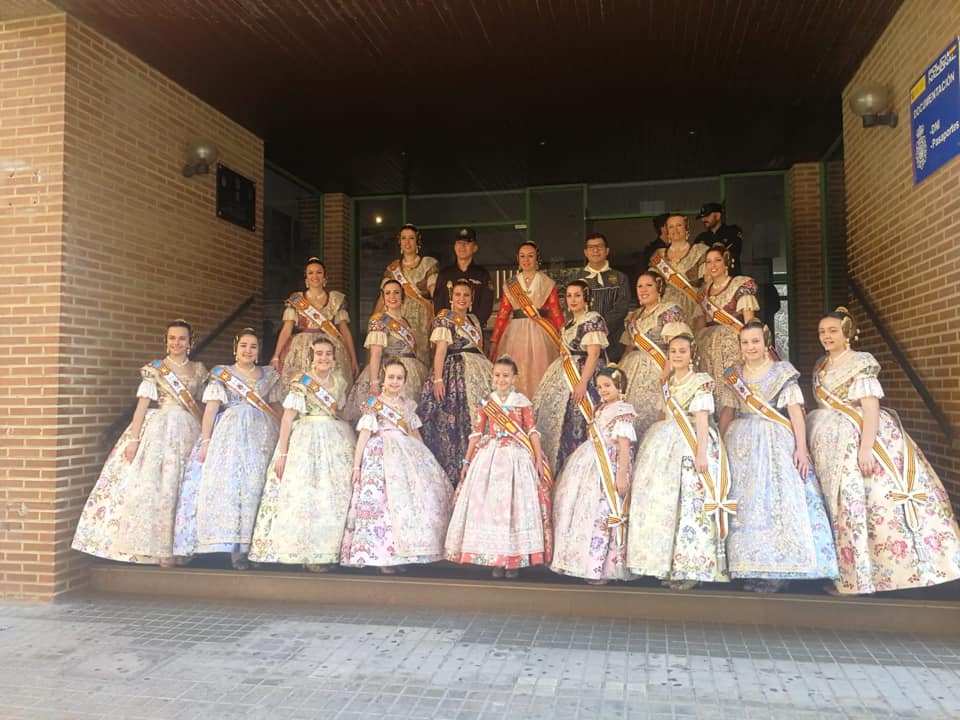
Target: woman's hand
{"x": 700, "y": 462}
{"x": 274, "y": 363}
{"x": 355, "y": 477}
{"x": 439, "y": 391}
{"x": 580, "y": 391}
{"x": 623, "y": 484}
{"x": 279, "y": 465}
{"x": 865, "y": 461}
{"x": 801, "y": 462}
{"x": 202, "y": 455}
{"x": 130, "y": 451}
{"x": 463, "y": 472}
{"x": 356, "y": 368}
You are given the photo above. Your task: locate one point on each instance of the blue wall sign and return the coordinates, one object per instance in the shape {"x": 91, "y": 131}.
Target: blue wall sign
{"x": 935, "y": 115}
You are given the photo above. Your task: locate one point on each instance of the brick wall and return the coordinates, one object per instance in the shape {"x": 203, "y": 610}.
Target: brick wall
{"x": 112, "y": 242}
{"x": 807, "y": 291}
{"x": 337, "y": 240}
{"x": 902, "y": 238}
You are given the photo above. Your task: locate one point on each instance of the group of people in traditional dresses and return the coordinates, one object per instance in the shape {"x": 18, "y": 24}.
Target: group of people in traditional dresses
{"x": 691, "y": 461}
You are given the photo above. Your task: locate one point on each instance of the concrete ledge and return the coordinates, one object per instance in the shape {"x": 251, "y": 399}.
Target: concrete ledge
{"x": 875, "y": 614}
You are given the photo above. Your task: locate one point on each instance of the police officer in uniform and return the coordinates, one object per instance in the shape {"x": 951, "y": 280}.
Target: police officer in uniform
{"x": 716, "y": 231}
{"x": 465, "y": 247}
{"x": 609, "y": 290}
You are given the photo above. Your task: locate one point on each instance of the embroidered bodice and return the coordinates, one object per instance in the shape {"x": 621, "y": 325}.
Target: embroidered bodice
{"x": 852, "y": 380}
{"x": 193, "y": 375}
{"x": 590, "y": 329}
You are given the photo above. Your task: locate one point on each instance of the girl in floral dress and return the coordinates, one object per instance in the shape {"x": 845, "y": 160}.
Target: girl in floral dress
{"x": 587, "y": 546}
{"x": 501, "y": 516}
{"x": 461, "y": 378}
{"x": 225, "y": 475}
{"x": 304, "y": 504}
{"x": 555, "y": 404}
{"x": 401, "y": 497}
{"x": 680, "y": 473}
{"x": 780, "y": 531}
{"x": 892, "y": 520}
{"x": 129, "y": 515}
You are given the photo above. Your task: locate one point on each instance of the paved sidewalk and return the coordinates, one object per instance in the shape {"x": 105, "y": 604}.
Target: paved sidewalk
{"x": 110, "y": 657}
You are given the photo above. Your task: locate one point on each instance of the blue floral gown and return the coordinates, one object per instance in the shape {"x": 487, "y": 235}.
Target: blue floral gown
{"x": 781, "y": 530}
{"x": 219, "y": 498}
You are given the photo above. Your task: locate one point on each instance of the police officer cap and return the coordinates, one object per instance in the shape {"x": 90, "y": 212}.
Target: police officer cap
{"x": 707, "y": 208}
{"x": 466, "y": 233}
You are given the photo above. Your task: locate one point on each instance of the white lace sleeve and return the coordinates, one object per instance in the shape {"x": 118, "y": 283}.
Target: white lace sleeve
{"x": 368, "y": 421}
{"x": 441, "y": 334}
{"x": 215, "y": 391}
{"x": 624, "y": 429}
{"x": 414, "y": 422}
{"x": 702, "y": 401}
{"x": 594, "y": 337}
{"x": 865, "y": 386}
{"x": 375, "y": 337}
{"x": 147, "y": 389}
{"x": 289, "y": 315}
{"x": 790, "y": 395}
{"x": 747, "y": 302}
{"x": 295, "y": 401}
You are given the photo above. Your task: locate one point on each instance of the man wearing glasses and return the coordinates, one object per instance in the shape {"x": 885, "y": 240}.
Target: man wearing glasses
{"x": 609, "y": 290}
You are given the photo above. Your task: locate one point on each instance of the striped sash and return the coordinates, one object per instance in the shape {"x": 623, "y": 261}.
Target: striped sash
{"x": 319, "y": 392}
{"x": 298, "y": 301}
{"x": 250, "y": 395}
{"x": 392, "y": 416}
{"x": 756, "y": 403}
{"x": 396, "y": 271}
{"x": 177, "y": 387}
{"x": 495, "y": 412}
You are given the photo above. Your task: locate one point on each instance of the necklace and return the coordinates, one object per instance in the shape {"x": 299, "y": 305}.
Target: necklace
{"x": 832, "y": 361}
{"x": 682, "y": 380}
{"x": 756, "y": 369}
{"x": 714, "y": 292}
{"x": 179, "y": 364}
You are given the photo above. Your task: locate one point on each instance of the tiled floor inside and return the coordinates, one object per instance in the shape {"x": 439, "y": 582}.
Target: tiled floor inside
{"x": 117, "y": 657}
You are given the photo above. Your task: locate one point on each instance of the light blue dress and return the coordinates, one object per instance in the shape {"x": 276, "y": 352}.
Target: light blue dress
{"x": 781, "y": 530}
{"x": 219, "y": 498}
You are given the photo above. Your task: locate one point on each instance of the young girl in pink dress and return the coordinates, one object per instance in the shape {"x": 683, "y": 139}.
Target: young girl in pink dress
{"x": 501, "y": 515}
{"x": 401, "y": 496}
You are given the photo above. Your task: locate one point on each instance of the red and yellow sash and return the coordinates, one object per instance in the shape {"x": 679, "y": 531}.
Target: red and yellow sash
{"x": 717, "y": 502}
{"x": 395, "y": 269}
{"x": 677, "y": 279}
{"x": 392, "y": 416}
{"x": 397, "y": 328}
{"x": 177, "y": 387}
{"x": 649, "y": 347}
{"x": 756, "y": 403}
{"x": 236, "y": 384}
{"x": 319, "y": 392}
{"x": 466, "y": 328}
{"x": 298, "y": 301}
{"x": 495, "y": 412}
{"x": 907, "y": 495}
{"x": 718, "y": 315}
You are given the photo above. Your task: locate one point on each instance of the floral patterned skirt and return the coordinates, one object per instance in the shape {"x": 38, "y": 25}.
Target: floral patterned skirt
{"x": 399, "y": 507}
{"x": 719, "y": 348}
{"x": 586, "y": 547}
{"x": 360, "y": 393}
{"x": 643, "y": 389}
{"x": 781, "y": 529}
{"x": 447, "y": 424}
{"x": 501, "y": 514}
{"x": 877, "y": 550}
{"x": 129, "y": 515}
{"x": 560, "y": 421}
{"x": 670, "y": 536}
{"x": 302, "y": 514}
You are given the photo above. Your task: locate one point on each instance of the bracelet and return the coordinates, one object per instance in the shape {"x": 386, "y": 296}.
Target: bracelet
{"x": 202, "y": 442}
{"x": 464, "y": 462}
{"x": 356, "y": 469}
{"x": 437, "y": 380}
{"x": 282, "y": 455}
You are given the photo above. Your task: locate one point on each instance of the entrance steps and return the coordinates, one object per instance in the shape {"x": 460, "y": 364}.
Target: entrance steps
{"x": 930, "y": 611}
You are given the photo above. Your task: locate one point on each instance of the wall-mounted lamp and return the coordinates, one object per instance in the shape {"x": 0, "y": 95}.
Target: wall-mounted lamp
{"x": 200, "y": 156}
{"x": 871, "y": 102}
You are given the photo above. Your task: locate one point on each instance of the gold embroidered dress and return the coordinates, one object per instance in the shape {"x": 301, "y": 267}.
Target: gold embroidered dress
{"x": 642, "y": 373}
{"x": 691, "y": 267}
{"x": 297, "y": 357}
{"x": 418, "y": 314}
{"x": 302, "y": 514}
{"x": 877, "y": 549}
{"x": 129, "y": 515}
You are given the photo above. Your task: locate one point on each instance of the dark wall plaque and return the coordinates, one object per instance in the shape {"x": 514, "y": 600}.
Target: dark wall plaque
{"x": 236, "y": 198}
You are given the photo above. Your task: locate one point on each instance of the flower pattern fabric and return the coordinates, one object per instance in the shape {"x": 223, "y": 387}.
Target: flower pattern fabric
{"x": 297, "y": 357}
{"x": 417, "y": 313}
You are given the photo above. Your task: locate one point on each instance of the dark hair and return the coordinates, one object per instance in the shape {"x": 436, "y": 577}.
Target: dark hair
{"x": 392, "y": 360}
{"x": 416, "y": 230}
{"x": 756, "y": 324}
{"x": 616, "y": 375}
{"x": 724, "y": 252}
{"x": 530, "y": 243}
{"x": 313, "y": 260}
{"x": 657, "y": 280}
{"x": 391, "y": 281}
{"x": 509, "y": 361}
{"x": 594, "y": 236}
{"x": 659, "y": 221}
{"x": 244, "y": 332}
{"x": 181, "y": 323}
{"x": 461, "y": 281}
{"x": 583, "y": 285}
{"x": 323, "y": 340}
{"x": 848, "y": 326}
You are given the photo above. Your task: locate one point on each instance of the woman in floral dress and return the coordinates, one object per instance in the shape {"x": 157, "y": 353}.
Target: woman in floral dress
{"x": 515, "y": 333}
{"x": 129, "y": 515}
{"x": 501, "y": 515}
{"x": 555, "y": 406}
{"x": 225, "y": 475}
{"x": 461, "y": 378}
{"x": 586, "y": 545}
{"x": 680, "y": 468}
{"x": 388, "y": 334}
{"x": 780, "y": 531}
{"x": 643, "y": 374}
{"x": 401, "y": 497}
{"x": 307, "y": 314}
{"x": 304, "y": 504}
{"x": 892, "y": 520}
